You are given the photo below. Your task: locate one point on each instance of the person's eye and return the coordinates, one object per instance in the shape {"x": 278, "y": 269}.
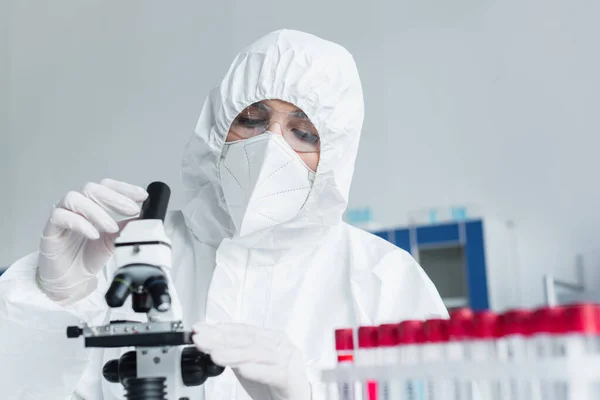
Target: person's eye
{"x": 250, "y": 122}
{"x": 306, "y": 136}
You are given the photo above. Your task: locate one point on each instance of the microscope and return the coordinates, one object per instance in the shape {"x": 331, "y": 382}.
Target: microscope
{"x": 163, "y": 366}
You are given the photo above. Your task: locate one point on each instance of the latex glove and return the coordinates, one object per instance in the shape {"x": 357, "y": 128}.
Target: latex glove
{"x": 267, "y": 364}
{"x": 79, "y": 237}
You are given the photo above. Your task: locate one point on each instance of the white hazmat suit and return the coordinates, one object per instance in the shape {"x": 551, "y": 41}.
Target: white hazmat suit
{"x": 304, "y": 277}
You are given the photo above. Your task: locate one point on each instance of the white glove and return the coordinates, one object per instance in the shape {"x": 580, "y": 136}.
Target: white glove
{"x": 79, "y": 238}
{"x": 266, "y": 363}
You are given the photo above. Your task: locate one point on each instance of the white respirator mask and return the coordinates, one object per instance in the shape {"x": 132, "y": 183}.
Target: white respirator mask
{"x": 264, "y": 182}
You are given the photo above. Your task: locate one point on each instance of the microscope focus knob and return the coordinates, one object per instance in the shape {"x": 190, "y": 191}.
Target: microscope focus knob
{"x": 193, "y": 368}
{"x": 212, "y": 369}
{"x": 110, "y": 371}
{"x": 74, "y": 332}
{"x": 118, "y": 370}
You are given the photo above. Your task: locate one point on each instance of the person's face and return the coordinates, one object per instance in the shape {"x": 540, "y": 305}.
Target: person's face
{"x": 280, "y": 118}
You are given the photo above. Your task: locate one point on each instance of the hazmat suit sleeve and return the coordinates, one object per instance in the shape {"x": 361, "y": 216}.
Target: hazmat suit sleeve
{"x": 406, "y": 292}
{"x": 37, "y": 361}
{"x": 394, "y": 290}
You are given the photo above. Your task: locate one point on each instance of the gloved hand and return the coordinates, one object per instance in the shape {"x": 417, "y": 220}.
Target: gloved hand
{"x": 266, "y": 363}
{"x": 79, "y": 238}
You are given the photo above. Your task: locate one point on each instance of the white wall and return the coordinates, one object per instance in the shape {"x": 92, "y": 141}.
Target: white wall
{"x": 492, "y": 103}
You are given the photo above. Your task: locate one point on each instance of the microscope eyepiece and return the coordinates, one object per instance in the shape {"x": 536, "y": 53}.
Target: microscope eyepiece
{"x": 155, "y": 206}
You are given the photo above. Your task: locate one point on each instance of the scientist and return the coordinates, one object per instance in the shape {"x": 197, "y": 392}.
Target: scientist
{"x": 263, "y": 266}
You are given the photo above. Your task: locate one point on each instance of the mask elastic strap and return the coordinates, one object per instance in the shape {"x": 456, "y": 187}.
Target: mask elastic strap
{"x": 224, "y": 151}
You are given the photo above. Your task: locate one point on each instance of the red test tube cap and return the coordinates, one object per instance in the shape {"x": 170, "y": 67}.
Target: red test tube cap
{"x": 344, "y": 339}
{"x": 436, "y": 330}
{"x": 583, "y": 319}
{"x": 460, "y": 323}
{"x": 411, "y": 332}
{"x": 515, "y": 322}
{"x": 462, "y": 314}
{"x": 368, "y": 337}
{"x": 547, "y": 320}
{"x": 388, "y": 335}
{"x": 484, "y": 325}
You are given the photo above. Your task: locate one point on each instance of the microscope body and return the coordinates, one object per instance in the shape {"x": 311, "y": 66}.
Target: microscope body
{"x": 162, "y": 367}
{"x": 143, "y": 257}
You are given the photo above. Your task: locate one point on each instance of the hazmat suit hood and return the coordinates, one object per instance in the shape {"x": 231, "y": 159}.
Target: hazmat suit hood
{"x": 318, "y": 76}
{"x": 303, "y": 278}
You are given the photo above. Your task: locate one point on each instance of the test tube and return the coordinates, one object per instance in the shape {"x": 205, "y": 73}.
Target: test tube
{"x": 389, "y": 352}
{"x": 514, "y": 331}
{"x": 432, "y": 351}
{"x": 458, "y": 329}
{"x": 344, "y": 345}
{"x": 545, "y": 326}
{"x": 580, "y": 327}
{"x": 482, "y": 347}
{"x": 367, "y": 356}
{"x": 410, "y": 338}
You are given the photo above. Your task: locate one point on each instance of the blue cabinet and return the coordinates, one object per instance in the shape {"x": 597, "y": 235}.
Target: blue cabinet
{"x": 453, "y": 255}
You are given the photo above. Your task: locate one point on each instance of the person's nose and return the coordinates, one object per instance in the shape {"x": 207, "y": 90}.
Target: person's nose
{"x": 276, "y": 128}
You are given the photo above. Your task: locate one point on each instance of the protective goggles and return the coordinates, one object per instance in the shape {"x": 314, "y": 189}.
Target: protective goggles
{"x": 299, "y": 133}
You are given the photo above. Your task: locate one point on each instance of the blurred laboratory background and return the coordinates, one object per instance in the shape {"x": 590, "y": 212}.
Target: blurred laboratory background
{"x": 479, "y": 147}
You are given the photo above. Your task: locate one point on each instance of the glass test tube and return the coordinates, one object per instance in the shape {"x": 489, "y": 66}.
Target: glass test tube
{"x": 344, "y": 345}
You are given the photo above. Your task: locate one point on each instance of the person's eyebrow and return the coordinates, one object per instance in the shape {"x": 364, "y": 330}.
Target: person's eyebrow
{"x": 299, "y": 113}
{"x": 262, "y": 106}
